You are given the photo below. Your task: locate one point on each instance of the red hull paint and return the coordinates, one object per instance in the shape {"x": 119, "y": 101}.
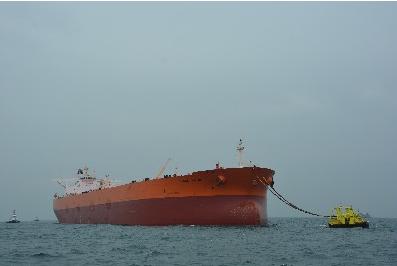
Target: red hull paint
{"x": 210, "y": 210}
{"x": 233, "y": 196}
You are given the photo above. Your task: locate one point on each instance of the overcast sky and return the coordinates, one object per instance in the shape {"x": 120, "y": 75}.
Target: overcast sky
{"x": 309, "y": 87}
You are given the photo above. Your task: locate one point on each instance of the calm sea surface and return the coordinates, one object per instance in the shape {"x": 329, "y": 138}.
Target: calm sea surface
{"x": 287, "y": 241}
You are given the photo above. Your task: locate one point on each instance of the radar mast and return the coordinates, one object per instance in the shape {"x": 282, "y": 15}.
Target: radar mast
{"x": 240, "y": 149}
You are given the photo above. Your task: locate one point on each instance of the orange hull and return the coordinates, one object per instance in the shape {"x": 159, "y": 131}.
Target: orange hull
{"x": 232, "y": 196}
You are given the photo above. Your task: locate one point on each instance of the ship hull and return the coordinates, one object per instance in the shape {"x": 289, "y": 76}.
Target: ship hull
{"x": 233, "y": 196}
{"x": 214, "y": 210}
{"x": 364, "y": 224}
{"x": 13, "y": 222}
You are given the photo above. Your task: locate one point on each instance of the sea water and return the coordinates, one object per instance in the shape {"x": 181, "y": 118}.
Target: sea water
{"x": 286, "y": 241}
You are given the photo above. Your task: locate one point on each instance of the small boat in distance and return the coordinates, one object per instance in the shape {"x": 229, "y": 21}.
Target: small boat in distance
{"x": 347, "y": 219}
{"x": 367, "y": 215}
{"x": 13, "y": 219}
{"x": 37, "y": 219}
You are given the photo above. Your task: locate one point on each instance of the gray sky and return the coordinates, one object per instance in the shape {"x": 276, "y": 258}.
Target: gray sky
{"x": 309, "y": 87}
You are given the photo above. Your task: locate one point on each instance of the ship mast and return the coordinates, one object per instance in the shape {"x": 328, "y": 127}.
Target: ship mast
{"x": 240, "y": 149}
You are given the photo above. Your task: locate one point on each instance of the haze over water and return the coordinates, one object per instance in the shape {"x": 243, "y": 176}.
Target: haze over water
{"x": 309, "y": 87}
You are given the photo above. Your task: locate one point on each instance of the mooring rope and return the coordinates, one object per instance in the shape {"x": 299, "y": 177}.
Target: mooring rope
{"x": 280, "y": 197}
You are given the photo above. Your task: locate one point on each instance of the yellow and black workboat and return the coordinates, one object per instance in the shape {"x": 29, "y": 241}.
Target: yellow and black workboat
{"x": 347, "y": 219}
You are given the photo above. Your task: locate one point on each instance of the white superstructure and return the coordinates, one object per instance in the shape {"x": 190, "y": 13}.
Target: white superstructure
{"x": 85, "y": 182}
{"x": 13, "y": 217}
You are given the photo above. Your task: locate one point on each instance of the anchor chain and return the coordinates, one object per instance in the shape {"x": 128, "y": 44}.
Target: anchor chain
{"x": 280, "y": 197}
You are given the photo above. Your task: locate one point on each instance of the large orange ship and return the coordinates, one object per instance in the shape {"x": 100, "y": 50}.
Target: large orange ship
{"x": 220, "y": 196}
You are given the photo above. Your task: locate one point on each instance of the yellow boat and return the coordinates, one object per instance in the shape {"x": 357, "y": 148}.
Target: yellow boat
{"x": 347, "y": 219}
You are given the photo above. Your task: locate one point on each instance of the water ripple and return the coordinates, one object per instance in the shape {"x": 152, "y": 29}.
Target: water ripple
{"x": 287, "y": 241}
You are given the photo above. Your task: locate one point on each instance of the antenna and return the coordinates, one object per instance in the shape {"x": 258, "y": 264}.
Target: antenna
{"x": 176, "y": 171}
{"x": 240, "y": 149}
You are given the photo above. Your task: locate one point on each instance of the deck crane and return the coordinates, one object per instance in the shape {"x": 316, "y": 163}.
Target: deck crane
{"x": 63, "y": 185}
{"x": 162, "y": 169}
